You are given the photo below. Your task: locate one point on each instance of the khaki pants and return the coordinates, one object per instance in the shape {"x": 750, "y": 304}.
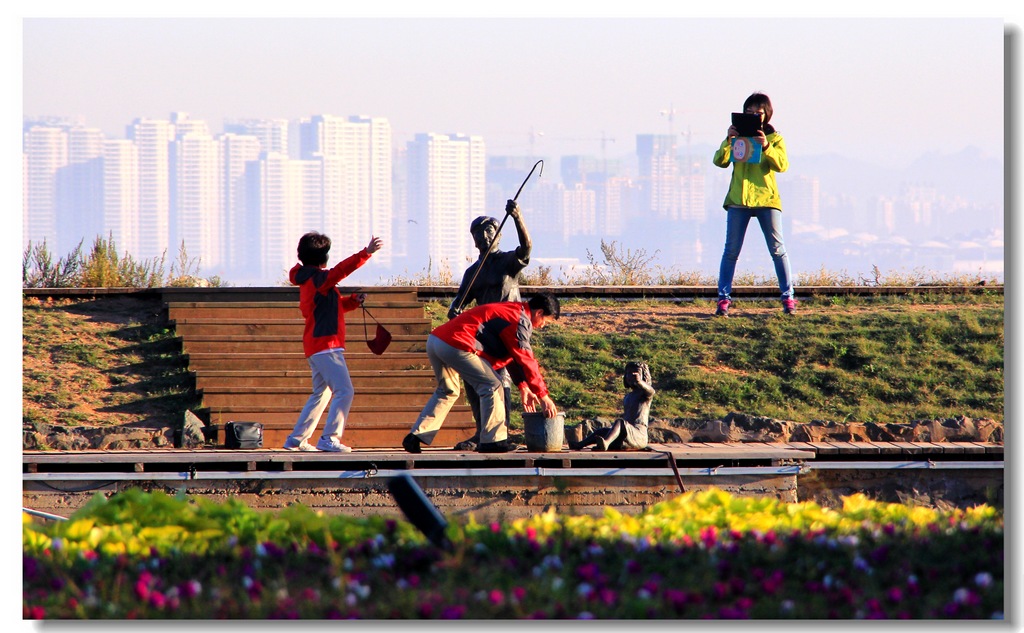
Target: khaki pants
{"x": 449, "y": 364}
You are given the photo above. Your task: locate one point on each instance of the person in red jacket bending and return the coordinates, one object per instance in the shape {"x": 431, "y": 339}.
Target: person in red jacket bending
{"x": 323, "y": 339}
{"x": 474, "y": 345}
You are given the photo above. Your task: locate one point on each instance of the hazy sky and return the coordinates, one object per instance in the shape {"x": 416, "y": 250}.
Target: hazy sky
{"x": 879, "y": 89}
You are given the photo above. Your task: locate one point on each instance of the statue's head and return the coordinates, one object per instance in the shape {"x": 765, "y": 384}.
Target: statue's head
{"x": 483, "y": 230}
{"x": 634, "y": 370}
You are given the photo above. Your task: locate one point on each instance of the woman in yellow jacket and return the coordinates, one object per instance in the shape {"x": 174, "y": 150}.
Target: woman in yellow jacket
{"x": 753, "y": 193}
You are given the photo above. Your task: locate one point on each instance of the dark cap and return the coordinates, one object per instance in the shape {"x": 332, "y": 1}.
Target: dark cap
{"x": 481, "y": 222}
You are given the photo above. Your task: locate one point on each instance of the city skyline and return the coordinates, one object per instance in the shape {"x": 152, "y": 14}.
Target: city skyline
{"x": 881, "y": 91}
{"x": 572, "y": 215}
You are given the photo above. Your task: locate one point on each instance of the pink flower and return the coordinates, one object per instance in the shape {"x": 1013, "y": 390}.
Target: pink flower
{"x": 895, "y": 594}
{"x": 496, "y": 597}
{"x": 453, "y": 612}
{"x": 157, "y": 600}
{"x": 191, "y": 588}
{"x": 720, "y": 589}
{"x": 772, "y": 583}
{"x": 495, "y": 527}
{"x": 141, "y": 589}
{"x": 677, "y": 598}
{"x": 709, "y": 535}
{"x": 587, "y": 572}
{"x": 531, "y": 533}
{"x": 518, "y": 593}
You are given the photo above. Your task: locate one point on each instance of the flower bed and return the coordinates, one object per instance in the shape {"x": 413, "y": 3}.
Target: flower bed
{"x": 701, "y": 555}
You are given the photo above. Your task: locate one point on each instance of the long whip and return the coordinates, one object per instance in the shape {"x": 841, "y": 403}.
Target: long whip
{"x": 497, "y": 235}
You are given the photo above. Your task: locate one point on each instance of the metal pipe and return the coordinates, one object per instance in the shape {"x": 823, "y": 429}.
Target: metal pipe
{"x": 43, "y": 515}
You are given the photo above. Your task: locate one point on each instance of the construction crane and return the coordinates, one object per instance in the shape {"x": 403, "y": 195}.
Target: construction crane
{"x": 604, "y": 139}
{"x": 670, "y": 113}
{"x": 534, "y": 135}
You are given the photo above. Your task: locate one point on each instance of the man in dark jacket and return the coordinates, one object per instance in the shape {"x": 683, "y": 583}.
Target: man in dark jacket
{"x": 474, "y": 346}
{"x": 492, "y": 278}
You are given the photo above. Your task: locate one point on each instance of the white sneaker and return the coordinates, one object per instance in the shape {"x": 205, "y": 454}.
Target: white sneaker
{"x": 305, "y": 447}
{"x": 332, "y": 445}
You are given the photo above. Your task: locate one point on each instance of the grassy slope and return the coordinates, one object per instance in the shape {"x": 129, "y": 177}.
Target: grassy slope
{"x": 110, "y": 361}
{"x": 888, "y": 362}
{"x": 101, "y": 362}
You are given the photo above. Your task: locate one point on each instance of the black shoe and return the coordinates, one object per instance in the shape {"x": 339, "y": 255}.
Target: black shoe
{"x": 504, "y": 446}
{"x": 411, "y": 443}
{"x": 468, "y": 445}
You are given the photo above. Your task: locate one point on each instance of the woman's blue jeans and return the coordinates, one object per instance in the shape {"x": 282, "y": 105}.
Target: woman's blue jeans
{"x": 735, "y": 228}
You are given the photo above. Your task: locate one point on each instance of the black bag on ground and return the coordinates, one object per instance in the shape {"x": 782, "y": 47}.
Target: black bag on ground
{"x": 243, "y": 435}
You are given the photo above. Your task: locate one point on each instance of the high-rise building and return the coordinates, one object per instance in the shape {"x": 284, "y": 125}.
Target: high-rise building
{"x": 238, "y": 154}
{"x": 446, "y": 188}
{"x": 80, "y": 190}
{"x": 692, "y": 199}
{"x": 801, "y": 197}
{"x": 44, "y": 153}
{"x": 152, "y": 140}
{"x": 658, "y": 168}
{"x": 121, "y": 195}
{"x": 271, "y": 133}
{"x": 196, "y": 213}
{"x": 579, "y": 206}
{"x": 282, "y": 205}
{"x": 357, "y": 150}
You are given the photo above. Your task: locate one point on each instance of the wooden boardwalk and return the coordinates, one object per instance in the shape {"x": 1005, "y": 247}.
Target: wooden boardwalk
{"x": 522, "y": 483}
{"x": 273, "y": 460}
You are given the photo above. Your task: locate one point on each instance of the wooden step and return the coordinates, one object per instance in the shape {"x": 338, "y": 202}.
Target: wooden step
{"x": 360, "y": 416}
{"x": 283, "y": 294}
{"x": 356, "y": 358}
{"x": 361, "y": 379}
{"x": 378, "y": 437}
{"x": 283, "y": 310}
{"x": 242, "y": 343}
{"x": 189, "y": 327}
{"x": 379, "y": 397}
{"x": 364, "y": 428}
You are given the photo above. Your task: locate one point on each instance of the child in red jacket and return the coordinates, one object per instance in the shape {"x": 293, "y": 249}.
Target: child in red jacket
{"x": 323, "y": 340}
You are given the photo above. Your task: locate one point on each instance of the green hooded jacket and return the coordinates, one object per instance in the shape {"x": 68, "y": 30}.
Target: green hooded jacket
{"x": 753, "y": 184}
